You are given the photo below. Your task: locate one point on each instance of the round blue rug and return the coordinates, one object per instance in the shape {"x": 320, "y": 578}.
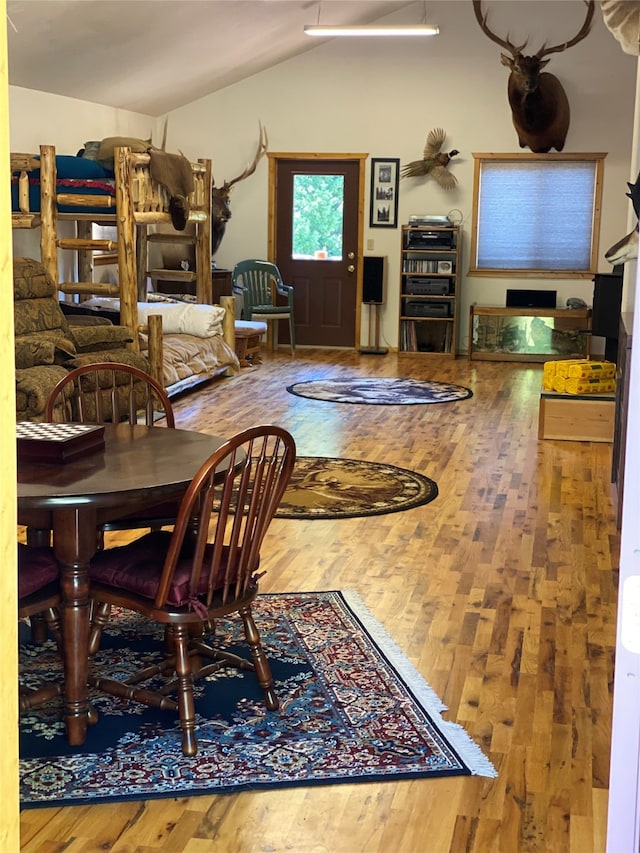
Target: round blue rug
{"x": 380, "y": 392}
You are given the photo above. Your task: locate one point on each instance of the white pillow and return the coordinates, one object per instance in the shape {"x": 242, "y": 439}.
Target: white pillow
{"x": 202, "y": 321}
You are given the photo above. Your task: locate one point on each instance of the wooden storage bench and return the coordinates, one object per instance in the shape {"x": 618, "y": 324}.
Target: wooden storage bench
{"x": 576, "y": 417}
{"x": 248, "y": 336}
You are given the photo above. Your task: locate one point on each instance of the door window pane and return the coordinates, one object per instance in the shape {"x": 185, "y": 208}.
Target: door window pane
{"x": 318, "y": 202}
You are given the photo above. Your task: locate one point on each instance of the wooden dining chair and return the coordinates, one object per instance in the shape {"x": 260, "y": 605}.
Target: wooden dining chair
{"x": 111, "y": 392}
{"x": 108, "y": 392}
{"x": 39, "y": 595}
{"x": 188, "y": 578}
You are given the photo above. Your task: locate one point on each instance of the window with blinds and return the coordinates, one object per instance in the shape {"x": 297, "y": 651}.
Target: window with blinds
{"x": 536, "y": 215}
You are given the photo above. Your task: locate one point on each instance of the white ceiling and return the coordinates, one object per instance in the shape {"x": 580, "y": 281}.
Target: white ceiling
{"x": 151, "y": 56}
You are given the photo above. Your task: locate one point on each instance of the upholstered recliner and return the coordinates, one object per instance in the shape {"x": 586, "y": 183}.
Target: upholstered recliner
{"x": 47, "y": 345}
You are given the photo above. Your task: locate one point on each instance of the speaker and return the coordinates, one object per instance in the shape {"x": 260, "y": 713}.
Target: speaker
{"x": 607, "y": 302}
{"x": 373, "y": 279}
{"x": 531, "y": 298}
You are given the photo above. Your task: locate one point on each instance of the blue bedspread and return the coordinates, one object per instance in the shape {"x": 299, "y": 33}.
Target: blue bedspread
{"x": 77, "y": 175}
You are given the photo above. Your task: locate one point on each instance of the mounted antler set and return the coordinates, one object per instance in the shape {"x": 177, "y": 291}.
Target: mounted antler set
{"x": 220, "y": 201}
{"x": 627, "y": 248}
{"x": 539, "y": 104}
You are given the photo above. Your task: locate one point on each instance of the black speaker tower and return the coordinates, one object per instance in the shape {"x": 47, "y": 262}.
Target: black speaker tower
{"x": 373, "y": 296}
{"x": 605, "y": 314}
{"x": 373, "y": 280}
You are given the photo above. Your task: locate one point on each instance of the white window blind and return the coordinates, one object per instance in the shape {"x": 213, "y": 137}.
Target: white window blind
{"x": 536, "y": 214}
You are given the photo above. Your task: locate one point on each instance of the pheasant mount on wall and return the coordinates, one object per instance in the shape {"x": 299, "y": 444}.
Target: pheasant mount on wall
{"x": 434, "y": 161}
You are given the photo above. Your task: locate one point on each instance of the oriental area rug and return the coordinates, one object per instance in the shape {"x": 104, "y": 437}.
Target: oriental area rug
{"x": 352, "y": 709}
{"x": 323, "y": 487}
{"x": 380, "y": 392}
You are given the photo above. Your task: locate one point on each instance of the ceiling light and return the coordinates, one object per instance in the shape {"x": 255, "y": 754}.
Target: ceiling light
{"x": 372, "y": 30}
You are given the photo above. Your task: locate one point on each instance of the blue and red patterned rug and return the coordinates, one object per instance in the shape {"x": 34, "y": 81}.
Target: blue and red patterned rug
{"x": 352, "y": 709}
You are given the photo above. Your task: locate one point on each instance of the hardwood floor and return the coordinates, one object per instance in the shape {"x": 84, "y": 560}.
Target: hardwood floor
{"x": 502, "y": 592}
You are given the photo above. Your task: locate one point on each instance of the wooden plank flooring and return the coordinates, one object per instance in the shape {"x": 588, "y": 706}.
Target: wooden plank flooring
{"x": 502, "y": 592}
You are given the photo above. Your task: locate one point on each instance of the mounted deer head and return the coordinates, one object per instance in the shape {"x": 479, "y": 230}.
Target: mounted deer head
{"x": 539, "y": 104}
{"x": 220, "y": 201}
{"x": 627, "y": 248}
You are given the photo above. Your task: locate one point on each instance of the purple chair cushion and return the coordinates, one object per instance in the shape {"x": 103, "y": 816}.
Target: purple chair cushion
{"x": 137, "y": 567}
{"x": 37, "y": 567}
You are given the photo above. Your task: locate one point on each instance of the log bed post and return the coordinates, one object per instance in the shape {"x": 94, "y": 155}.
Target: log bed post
{"x": 155, "y": 351}
{"x": 48, "y": 212}
{"x": 204, "y": 285}
{"x": 126, "y": 244}
{"x": 141, "y": 261}
{"x": 229, "y": 321}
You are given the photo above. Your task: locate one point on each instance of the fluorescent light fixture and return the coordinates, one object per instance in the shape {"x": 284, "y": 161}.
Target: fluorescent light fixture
{"x": 372, "y": 30}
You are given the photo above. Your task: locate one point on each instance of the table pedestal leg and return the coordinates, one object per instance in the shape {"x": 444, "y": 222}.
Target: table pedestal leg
{"x": 74, "y": 540}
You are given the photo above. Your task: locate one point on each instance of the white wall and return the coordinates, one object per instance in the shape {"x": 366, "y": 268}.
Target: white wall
{"x": 382, "y": 97}
{"x": 37, "y": 118}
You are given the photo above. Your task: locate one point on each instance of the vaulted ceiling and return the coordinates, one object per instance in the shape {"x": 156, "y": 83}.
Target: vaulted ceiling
{"x": 152, "y": 56}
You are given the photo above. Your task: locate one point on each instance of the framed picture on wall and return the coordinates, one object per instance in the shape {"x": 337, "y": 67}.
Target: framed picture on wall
{"x": 383, "y": 208}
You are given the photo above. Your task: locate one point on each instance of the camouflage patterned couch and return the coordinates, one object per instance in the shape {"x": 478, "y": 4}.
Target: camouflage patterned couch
{"x": 48, "y": 345}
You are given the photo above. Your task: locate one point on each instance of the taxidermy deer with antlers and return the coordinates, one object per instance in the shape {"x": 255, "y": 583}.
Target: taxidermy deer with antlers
{"x": 539, "y": 104}
{"x": 627, "y": 248}
{"x": 220, "y": 196}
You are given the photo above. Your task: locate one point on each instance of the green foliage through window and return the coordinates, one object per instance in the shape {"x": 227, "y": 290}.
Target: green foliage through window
{"x": 317, "y": 216}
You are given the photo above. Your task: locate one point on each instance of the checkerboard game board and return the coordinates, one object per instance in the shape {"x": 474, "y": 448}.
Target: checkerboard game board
{"x": 43, "y": 442}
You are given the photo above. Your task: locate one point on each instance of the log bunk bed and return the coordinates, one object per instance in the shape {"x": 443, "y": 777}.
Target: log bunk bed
{"x": 132, "y": 201}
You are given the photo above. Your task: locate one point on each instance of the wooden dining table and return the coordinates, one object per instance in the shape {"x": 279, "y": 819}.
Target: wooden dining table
{"x": 138, "y": 468}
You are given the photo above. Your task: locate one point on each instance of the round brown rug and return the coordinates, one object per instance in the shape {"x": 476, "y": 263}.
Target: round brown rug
{"x": 323, "y": 487}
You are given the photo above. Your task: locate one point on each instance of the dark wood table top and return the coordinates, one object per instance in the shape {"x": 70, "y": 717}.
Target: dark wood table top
{"x": 135, "y": 460}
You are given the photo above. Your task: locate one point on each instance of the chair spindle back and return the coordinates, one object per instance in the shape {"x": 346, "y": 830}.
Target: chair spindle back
{"x": 108, "y": 392}
{"x": 225, "y": 514}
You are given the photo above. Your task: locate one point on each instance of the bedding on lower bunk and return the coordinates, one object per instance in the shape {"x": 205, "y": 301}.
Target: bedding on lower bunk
{"x": 192, "y": 342}
{"x": 187, "y": 358}
{"x": 74, "y": 176}
{"x": 189, "y": 318}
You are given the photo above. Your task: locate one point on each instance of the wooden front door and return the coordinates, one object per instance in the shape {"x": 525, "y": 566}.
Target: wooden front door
{"x": 316, "y": 242}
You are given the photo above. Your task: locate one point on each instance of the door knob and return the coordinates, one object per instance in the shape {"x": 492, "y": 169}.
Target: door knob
{"x": 351, "y": 255}
{"x": 350, "y": 268}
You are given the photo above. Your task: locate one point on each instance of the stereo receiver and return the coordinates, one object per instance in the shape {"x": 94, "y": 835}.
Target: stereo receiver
{"x": 429, "y": 239}
{"x": 427, "y": 309}
{"x": 417, "y": 286}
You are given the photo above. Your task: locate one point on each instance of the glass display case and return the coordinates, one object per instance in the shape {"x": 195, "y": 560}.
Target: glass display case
{"x": 528, "y": 334}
